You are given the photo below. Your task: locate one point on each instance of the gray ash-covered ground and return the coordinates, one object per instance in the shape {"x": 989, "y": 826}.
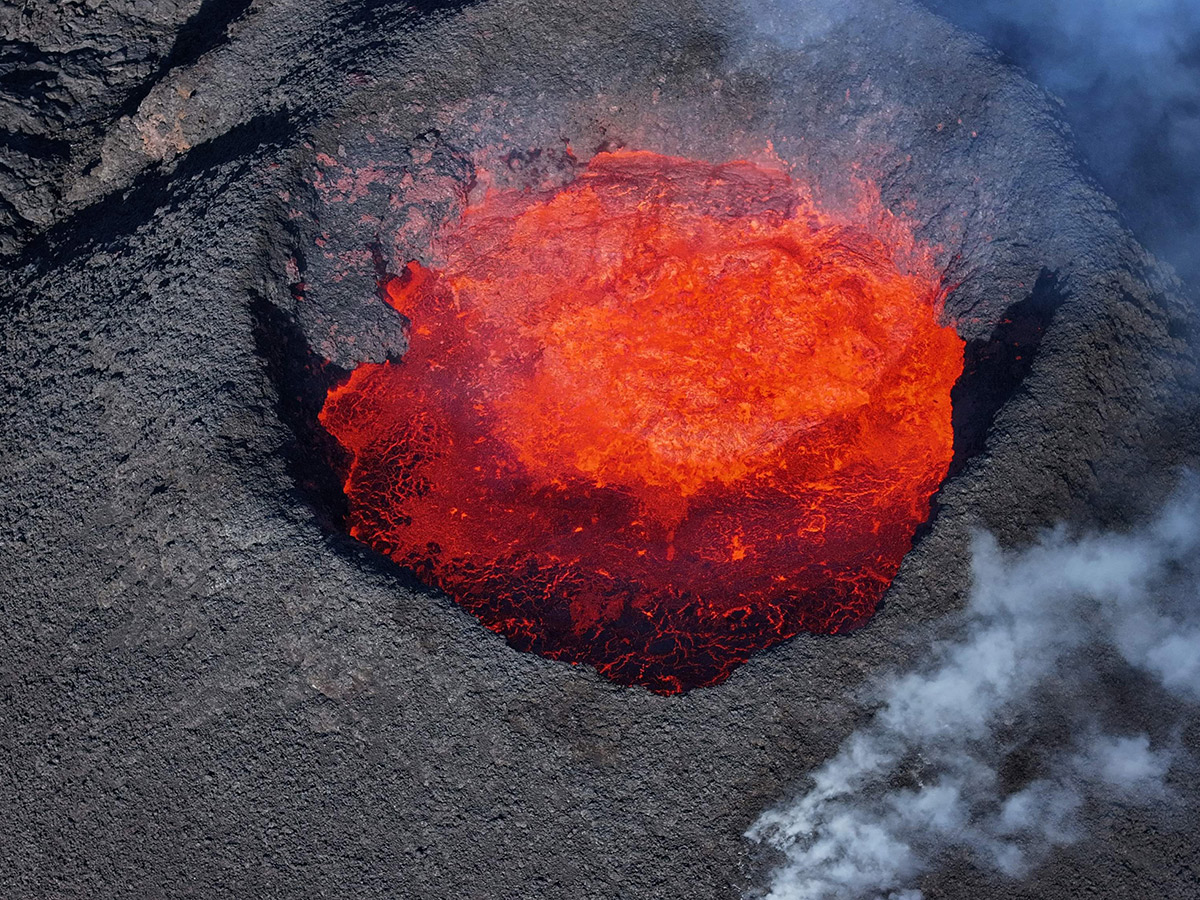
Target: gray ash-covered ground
{"x": 208, "y": 691}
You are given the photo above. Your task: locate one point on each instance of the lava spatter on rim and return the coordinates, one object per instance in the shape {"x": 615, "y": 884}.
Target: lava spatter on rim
{"x": 658, "y": 419}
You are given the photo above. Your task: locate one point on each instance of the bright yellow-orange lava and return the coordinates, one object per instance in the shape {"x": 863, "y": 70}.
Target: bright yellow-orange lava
{"x": 660, "y": 419}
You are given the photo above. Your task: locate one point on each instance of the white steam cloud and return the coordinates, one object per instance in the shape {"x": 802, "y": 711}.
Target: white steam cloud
{"x": 927, "y": 773}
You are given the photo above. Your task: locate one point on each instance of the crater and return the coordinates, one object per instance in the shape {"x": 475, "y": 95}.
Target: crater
{"x": 642, "y": 412}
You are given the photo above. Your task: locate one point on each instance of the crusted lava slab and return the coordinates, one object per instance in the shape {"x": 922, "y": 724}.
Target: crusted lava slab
{"x": 211, "y": 690}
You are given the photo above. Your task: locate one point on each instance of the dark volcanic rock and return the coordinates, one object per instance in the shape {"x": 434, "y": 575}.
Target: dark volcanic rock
{"x": 67, "y": 72}
{"x": 209, "y": 692}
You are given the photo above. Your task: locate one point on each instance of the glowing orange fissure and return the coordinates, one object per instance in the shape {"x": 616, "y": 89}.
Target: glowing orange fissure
{"x": 659, "y": 419}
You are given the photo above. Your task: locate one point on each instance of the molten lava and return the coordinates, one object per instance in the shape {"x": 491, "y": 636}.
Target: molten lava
{"x": 662, "y": 418}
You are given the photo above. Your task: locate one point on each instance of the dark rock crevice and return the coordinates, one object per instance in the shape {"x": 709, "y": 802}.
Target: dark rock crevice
{"x": 206, "y": 30}
{"x": 117, "y": 215}
{"x": 994, "y": 367}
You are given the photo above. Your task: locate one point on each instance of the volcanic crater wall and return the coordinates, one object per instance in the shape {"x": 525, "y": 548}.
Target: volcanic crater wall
{"x": 210, "y": 688}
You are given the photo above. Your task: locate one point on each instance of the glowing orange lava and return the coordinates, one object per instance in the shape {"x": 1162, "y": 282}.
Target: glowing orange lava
{"x": 658, "y": 420}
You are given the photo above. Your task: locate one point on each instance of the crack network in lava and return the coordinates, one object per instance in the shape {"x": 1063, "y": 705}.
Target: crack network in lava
{"x": 658, "y": 419}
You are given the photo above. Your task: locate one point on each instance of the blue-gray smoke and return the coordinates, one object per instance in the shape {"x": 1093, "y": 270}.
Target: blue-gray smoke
{"x": 1128, "y": 73}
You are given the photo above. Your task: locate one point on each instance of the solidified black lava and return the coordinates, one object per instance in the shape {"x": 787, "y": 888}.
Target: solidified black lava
{"x": 301, "y": 378}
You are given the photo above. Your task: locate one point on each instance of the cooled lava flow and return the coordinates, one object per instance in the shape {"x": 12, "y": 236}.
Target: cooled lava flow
{"x": 658, "y": 420}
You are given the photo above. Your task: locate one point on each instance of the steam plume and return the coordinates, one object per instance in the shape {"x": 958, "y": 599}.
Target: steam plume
{"x": 925, "y": 774}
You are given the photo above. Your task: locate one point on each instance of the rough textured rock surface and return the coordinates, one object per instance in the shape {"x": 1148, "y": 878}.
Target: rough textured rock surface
{"x": 207, "y": 691}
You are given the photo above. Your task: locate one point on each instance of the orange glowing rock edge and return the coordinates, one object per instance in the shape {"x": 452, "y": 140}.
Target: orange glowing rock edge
{"x": 658, "y": 420}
